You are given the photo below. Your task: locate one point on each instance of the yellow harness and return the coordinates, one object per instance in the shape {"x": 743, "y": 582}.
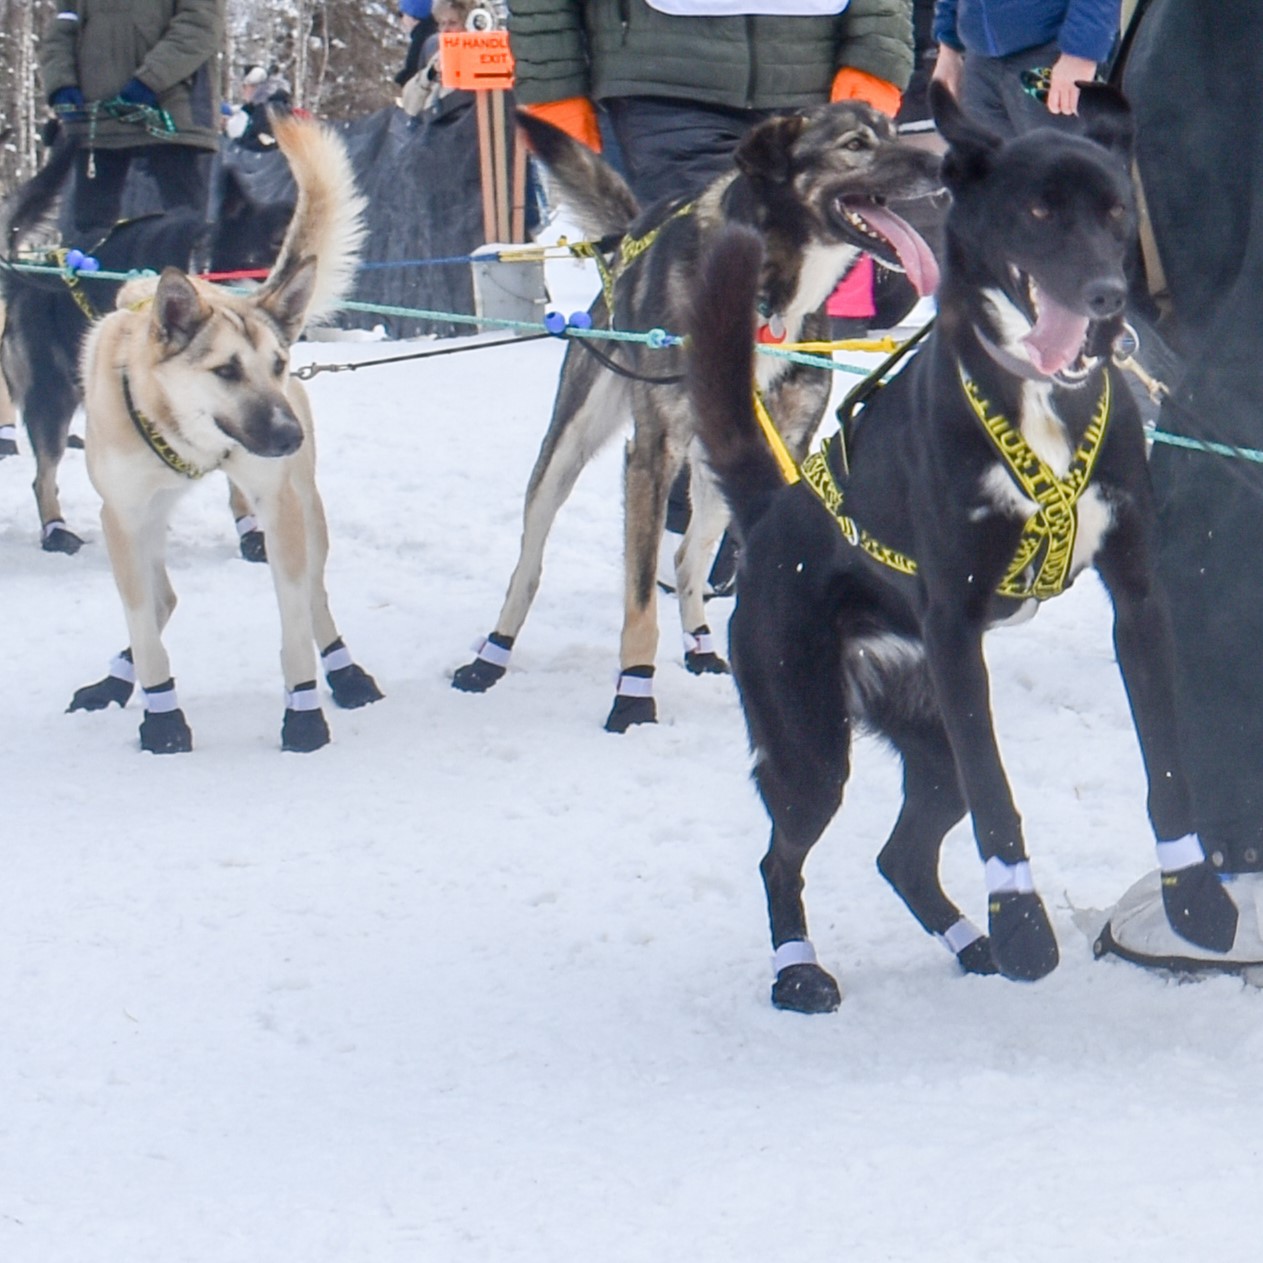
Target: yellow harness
{"x": 1041, "y": 565}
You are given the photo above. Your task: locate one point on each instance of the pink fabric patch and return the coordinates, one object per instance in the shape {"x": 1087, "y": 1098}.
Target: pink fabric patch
{"x": 854, "y": 294}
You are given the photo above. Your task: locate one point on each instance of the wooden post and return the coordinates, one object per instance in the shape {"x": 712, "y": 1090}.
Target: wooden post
{"x": 486, "y": 165}
{"x": 519, "y": 187}
{"x": 500, "y": 162}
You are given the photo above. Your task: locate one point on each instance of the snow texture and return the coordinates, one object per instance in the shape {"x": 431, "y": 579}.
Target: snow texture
{"x": 480, "y": 981}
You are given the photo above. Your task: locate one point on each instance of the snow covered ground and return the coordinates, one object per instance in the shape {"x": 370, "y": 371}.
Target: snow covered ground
{"x": 480, "y": 981}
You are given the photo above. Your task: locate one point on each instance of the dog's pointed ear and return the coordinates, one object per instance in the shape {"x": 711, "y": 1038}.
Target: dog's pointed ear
{"x": 970, "y": 147}
{"x": 178, "y": 310}
{"x": 765, "y": 152}
{"x": 1107, "y": 118}
{"x": 289, "y": 299}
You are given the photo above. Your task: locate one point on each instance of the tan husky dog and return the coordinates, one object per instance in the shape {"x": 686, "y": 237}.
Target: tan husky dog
{"x": 185, "y": 378}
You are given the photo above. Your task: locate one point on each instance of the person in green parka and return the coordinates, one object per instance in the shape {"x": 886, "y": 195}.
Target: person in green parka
{"x": 112, "y": 69}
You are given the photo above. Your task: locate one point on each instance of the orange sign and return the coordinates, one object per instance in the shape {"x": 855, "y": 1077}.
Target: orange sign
{"x": 476, "y": 60}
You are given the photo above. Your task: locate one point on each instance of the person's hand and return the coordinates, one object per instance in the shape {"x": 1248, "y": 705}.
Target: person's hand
{"x": 137, "y": 93}
{"x": 850, "y": 84}
{"x": 1063, "y": 89}
{"x": 68, "y": 102}
{"x": 949, "y": 69}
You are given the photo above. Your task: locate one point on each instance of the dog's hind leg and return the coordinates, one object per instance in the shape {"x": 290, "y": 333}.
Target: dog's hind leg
{"x": 590, "y": 408}
{"x": 46, "y": 409}
{"x": 652, "y": 463}
{"x": 788, "y": 667}
{"x": 692, "y": 562}
{"x": 249, "y": 537}
{"x": 932, "y": 804}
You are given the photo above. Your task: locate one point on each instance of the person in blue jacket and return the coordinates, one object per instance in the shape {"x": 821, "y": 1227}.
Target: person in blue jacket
{"x": 1016, "y": 64}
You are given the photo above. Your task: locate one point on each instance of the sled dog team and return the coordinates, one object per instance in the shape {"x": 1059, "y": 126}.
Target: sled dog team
{"x": 1005, "y": 458}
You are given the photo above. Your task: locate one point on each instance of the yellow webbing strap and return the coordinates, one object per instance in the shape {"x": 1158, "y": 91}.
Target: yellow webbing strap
{"x": 1048, "y": 536}
{"x": 1046, "y": 546}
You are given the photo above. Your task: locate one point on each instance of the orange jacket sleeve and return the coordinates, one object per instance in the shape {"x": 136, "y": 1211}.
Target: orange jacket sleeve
{"x": 576, "y": 116}
{"x": 850, "y": 84}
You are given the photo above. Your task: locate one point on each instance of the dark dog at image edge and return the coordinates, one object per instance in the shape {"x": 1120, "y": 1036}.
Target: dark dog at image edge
{"x": 1004, "y": 458}
{"x": 48, "y": 316}
{"x": 813, "y": 186}
{"x": 187, "y": 377}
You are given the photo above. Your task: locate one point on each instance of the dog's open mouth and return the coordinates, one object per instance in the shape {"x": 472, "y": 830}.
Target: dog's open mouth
{"x": 892, "y": 240}
{"x": 1058, "y": 335}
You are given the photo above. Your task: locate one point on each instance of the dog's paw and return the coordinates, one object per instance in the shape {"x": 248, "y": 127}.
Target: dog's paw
{"x": 353, "y": 687}
{"x": 253, "y": 546}
{"x": 58, "y": 538}
{"x": 165, "y": 732}
{"x": 488, "y": 667}
{"x": 805, "y": 989}
{"x": 477, "y": 676}
{"x": 1023, "y": 945}
{"x": 304, "y": 731}
{"x": 702, "y": 663}
{"x": 977, "y": 957}
{"x": 1198, "y": 907}
{"x": 101, "y": 694}
{"x": 629, "y": 711}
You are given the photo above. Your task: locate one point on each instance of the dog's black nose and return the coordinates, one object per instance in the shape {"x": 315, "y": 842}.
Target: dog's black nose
{"x": 1105, "y": 298}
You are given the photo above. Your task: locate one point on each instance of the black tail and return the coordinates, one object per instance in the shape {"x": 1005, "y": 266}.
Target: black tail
{"x": 35, "y": 198}
{"x": 721, "y": 376}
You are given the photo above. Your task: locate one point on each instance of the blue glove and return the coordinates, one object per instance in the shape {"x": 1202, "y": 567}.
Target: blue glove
{"x": 67, "y": 101}
{"x": 138, "y": 94}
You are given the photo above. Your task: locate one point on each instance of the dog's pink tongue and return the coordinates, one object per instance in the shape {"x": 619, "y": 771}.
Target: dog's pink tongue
{"x": 1057, "y": 338}
{"x": 917, "y": 259}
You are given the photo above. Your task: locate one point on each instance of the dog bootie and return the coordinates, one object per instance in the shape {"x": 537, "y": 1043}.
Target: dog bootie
{"x": 633, "y": 702}
{"x": 164, "y": 730}
{"x": 487, "y": 668}
{"x": 1023, "y": 945}
{"x": 304, "y": 728}
{"x": 115, "y": 688}
{"x": 801, "y": 986}
{"x": 1199, "y": 908}
{"x": 351, "y": 685}
{"x": 699, "y": 653}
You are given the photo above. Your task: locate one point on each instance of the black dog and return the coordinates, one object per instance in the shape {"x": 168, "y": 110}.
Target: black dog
{"x": 1007, "y": 456}
{"x": 47, "y": 318}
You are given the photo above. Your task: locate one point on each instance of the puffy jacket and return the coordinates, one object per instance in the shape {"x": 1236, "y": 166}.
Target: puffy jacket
{"x": 995, "y": 28}
{"x": 613, "y": 48}
{"x": 169, "y": 45}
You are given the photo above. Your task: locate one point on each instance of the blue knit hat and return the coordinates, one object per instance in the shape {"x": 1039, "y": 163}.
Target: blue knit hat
{"x": 416, "y": 8}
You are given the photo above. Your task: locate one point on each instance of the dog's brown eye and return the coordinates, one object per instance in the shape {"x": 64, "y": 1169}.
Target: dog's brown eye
{"x": 230, "y": 372}
{"x": 855, "y": 144}
{"x": 278, "y": 366}
{"x": 1039, "y": 212}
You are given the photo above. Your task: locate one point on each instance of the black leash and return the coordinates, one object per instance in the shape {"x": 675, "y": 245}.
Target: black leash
{"x": 309, "y": 371}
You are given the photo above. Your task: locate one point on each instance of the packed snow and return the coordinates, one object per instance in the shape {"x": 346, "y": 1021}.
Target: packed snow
{"x": 480, "y": 981}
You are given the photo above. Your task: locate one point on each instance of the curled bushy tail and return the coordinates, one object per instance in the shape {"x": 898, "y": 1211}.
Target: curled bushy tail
{"x": 328, "y": 221}
{"x": 721, "y": 375}
{"x": 590, "y": 189}
{"x": 34, "y": 200}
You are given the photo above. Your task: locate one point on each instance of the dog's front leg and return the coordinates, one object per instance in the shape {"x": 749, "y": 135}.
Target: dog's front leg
{"x": 1198, "y": 908}
{"x": 1022, "y": 940}
{"x": 290, "y": 557}
{"x": 135, "y": 536}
